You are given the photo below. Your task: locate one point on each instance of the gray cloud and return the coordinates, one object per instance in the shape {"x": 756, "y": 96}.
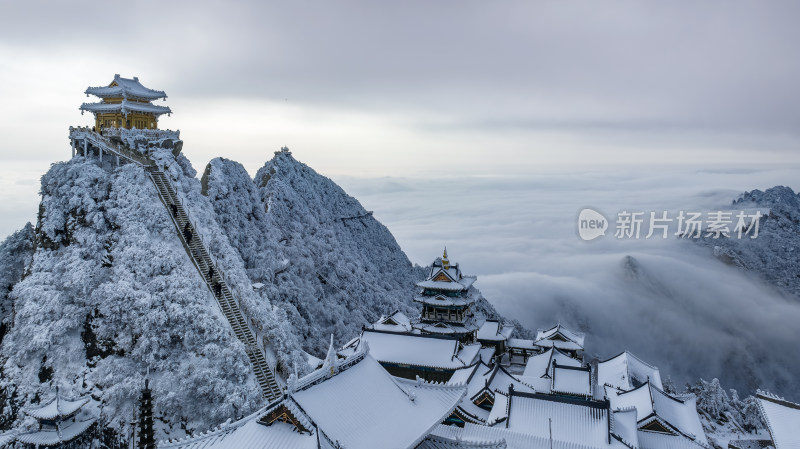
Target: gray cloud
{"x": 673, "y": 304}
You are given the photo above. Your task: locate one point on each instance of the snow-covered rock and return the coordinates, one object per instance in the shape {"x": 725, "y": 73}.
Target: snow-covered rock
{"x": 111, "y": 295}
{"x": 775, "y": 254}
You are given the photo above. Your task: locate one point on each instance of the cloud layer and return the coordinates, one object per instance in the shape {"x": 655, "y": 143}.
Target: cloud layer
{"x": 668, "y": 301}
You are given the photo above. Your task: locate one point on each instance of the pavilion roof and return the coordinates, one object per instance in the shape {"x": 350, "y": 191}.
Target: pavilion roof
{"x": 539, "y": 369}
{"x": 625, "y": 371}
{"x": 396, "y": 322}
{"x": 125, "y": 107}
{"x": 56, "y": 436}
{"x": 652, "y": 403}
{"x": 420, "y": 351}
{"x": 570, "y": 420}
{"x": 493, "y": 330}
{"x": 571, "y": 380}
{"x": 782, "y": 418}
{"x": 129, "y": 88}
{"x": 560, "y": 337}
{"x": 361, "y": 406}
{"x": 57, "y": 408}
{"x": 444, "y": 301}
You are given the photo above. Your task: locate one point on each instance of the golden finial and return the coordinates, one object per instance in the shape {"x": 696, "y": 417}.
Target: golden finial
{"x": 445, "y": 262}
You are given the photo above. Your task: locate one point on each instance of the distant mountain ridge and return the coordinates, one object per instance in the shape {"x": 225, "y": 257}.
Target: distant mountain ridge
{"x": 775, "y": 254}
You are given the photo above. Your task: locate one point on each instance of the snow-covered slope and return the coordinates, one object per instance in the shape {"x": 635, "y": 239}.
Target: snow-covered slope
{"x": 111, "y": 295}
{"x": 775, "y": 254}
{"x": 15, "y": 255}
{"x": 324, "y": 259}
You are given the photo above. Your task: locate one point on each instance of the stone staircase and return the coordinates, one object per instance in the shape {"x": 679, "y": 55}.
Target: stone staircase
{"x": 215, "y": 279}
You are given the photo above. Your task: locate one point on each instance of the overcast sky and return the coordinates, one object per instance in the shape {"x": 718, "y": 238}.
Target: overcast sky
{"x": 411, "y": 88}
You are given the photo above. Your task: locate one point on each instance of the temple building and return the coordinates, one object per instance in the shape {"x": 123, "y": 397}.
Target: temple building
{"x": 63, "y": 423}
{"x": 125, "y": 103}
{"x": 351, "y": 403}
{"x": 447, "y": 299}
{"x": 626, "y": 372}
{"x": 412, "y": 355}
{"x": 560, "y": 337}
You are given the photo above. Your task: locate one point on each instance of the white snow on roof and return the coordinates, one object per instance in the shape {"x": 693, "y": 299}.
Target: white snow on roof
{"x": 486, "y": 354}
{"x": 439, "y": 442}
{"x": 494, "y": 331}
{"x": 626, "y": 372}
{"x": 553, "y": 336}
{"x": 656, "y": 440}
{"x": 443, "y": 285}
{"x": 396, "y": 322}
{"x": 247, "y": 433}
{"x": 442, "y": 300}
{"x": 51, "y": 437}
{"x": 125, "y": 107}
{"x": 539, "y": 369}
{"x": 572, "y": 381}
{"x": 419, "y": 351}
{"x": 58, "y": 407}
{"x": 520, "y": 343}
{"x": 462, "y": 376}
{"x": 624, "y": 426}
{"x": 499, "y": 410}
{"x": 783, "y": 420}
{"x": 581, "y": 422}
{"x": 514, "y": 439}
{"x": 648, "y": 400}
{"x": 126, "y": 87}
{"x": 362, "y": 406}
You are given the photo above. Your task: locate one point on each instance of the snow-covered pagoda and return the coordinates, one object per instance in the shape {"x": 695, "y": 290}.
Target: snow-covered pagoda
{"x": 63, "y": 423}
{"x": 125, "y": 103}
{"x": 447, "y": 301}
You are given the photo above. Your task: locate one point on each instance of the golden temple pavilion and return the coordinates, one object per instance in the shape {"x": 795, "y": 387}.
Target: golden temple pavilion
{"x": 125, "y": 103}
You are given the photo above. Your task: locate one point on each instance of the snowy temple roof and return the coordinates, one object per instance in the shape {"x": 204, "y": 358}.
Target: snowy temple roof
{"x": 484, "y": 381}
{"x": 440, "y": 442}
{"x": 783, "y": 418}
{"x": 357, "y": 405}
{"x": 569, "y": 420}
{"x": 446, "y": 276}
{"x": 560, "y": 337}
{"x": 56, "y": 435}
{"x": 396, "y": 322}
{"x": 443, "y": 300}
{"x": 471, "y": 433}
{"x": 656, "y": 411}
{"x": 419, "y": 350}
{"x": 124, "y": 96}
{"x": 57, "y": 408}
{"x": 360, "y": 407}
{"x": 126, "y": 88}
{"x": 625, "y": 371}
{"x": 539, "y": 369}
{"x": 493, "y": 330}
{"x": 126, "y": 107}
{"x": 571, "y": 380}
{"x": 447, "y": 327}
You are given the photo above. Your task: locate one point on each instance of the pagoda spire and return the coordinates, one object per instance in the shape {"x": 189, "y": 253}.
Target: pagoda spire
{"x": 445, "y": 262}
{"x": 331, "y": 360}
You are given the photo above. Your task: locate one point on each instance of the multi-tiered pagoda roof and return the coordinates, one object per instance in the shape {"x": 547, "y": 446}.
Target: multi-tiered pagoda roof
{"x": 125, "y": 103}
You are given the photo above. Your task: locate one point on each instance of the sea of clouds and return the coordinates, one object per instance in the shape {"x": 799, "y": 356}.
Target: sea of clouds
{"x": 668, "y": 301}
